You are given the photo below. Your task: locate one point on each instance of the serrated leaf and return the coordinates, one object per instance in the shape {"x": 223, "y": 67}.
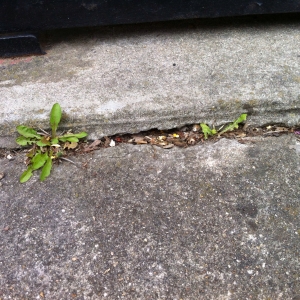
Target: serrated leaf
{"x": 235, "y": 124}
{"x": 27, "y": 132}
{"x": 241, "y": 118}
{"x": 23, "y": 141}
{"x": 39, "y": 160}
{"x": 207, "y": 130}
{"x": 55, "y": 117}
{"x": 68, "y": 138}
{"x": 46, "y": 169}
{"x": 26, "y": 175}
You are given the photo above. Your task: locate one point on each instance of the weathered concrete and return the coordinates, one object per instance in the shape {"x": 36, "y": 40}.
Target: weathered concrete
{"x": 214, "y": 221}
{"x": 131, "y": 78}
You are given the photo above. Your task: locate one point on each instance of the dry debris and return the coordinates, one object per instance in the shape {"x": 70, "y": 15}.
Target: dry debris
{"x": 186, "y": 136}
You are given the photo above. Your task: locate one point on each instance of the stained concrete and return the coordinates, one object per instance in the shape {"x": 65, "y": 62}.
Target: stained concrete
{"x": 213, "y": 221}
{"x": 137, "y": 77}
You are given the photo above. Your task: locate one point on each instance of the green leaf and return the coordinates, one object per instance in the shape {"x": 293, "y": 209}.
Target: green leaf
{"x": 23, "y": 141}
{"x": 43, "y": 142}
{"x": 235, "y": 124}
{"x": 39, "y": 160}
{"x": 241, "y": 118}
{"x": 80, "y": 135}
{"x": 54, "y": 141}
{"x": 55, "y": 117}
{"x": 46, "y": 169}
{"x": 26, "y": 175}
{"x": 207, "y": 131}
{"x": 27, "y": 132}
{"x": 68, "y": 138}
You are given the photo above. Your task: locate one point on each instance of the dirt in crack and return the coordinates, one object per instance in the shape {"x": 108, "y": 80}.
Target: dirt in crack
{"x": 185, "y": 136}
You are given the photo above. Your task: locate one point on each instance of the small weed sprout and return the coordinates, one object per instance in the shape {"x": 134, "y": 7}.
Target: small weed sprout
{"x": 45, "y": 147}
{"x": 212, "y": 131}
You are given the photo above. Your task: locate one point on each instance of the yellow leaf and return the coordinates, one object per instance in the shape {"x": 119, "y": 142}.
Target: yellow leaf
{"x": 71, "y": 145}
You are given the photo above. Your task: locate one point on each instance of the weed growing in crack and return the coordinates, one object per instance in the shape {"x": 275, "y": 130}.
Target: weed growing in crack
{"x": 212, "y": 131}
{"x": 45, "y": 147}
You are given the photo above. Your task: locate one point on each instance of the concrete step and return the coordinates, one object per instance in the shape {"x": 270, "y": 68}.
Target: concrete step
{"x": 163, "y": 75}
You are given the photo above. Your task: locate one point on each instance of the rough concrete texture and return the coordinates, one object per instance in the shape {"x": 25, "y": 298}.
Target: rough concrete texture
{"x": 213, "y": 221}
{"x": 136, "y": 77}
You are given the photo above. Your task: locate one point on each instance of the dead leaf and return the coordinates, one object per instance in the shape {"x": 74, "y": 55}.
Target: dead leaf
{"x": 139, "y": 140}
{"x": 172, "y": 140}
{"x": 162, "y": 143}
{"x": 193, "y": 138}
{"x": 148, "y": 139}
{"x": 162, "y": 138}
{"x": 191, "y": 141}
{"x": 196, "y": 128}
{"x": 169, "y": 146}
{"x": 94, "y": 144}
{"x": 281, "y": 129}
{"x": 71, "y": 145}
{"x": 184, "y": 135}
{"x": 180, "y": 144}
{"x": 107, "y": 141}
{"x": 240, "y": 135}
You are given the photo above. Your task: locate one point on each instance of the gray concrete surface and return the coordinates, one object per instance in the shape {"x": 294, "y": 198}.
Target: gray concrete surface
{"x": 131, "y": 78}
{"x": 213, "y": 221}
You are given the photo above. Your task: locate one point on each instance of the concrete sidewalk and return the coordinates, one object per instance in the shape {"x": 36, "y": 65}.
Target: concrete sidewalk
{"x": 213, "y": 221}
{"x": 132, "y": 78}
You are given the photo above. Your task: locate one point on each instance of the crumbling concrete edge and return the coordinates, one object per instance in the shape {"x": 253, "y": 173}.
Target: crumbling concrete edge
{"x": 122, "y": 121}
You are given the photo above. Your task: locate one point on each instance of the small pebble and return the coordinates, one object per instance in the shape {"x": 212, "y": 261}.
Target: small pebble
{"x": 1, "y": 175}
{"x": 9, "y": 157}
